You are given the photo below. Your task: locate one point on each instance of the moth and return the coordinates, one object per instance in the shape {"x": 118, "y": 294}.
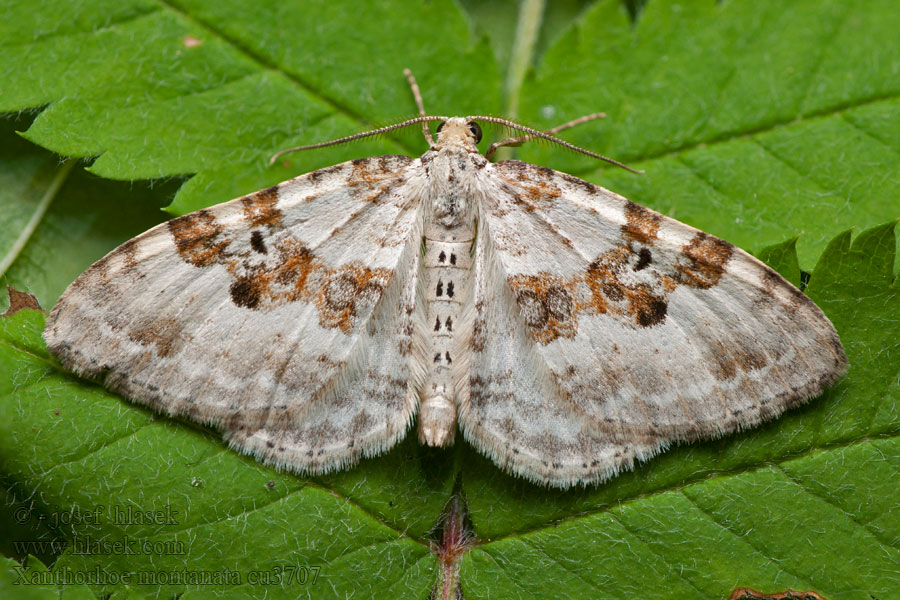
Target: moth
{"x": 564, "y": 330}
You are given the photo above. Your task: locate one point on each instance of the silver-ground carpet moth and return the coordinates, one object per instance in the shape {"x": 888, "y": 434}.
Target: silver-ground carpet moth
{"x": 565, "y": 330}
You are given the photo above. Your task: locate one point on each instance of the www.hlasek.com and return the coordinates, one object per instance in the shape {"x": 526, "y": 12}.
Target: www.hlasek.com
{"x": 85, "y": 545}
{"x": 281, "y": 575}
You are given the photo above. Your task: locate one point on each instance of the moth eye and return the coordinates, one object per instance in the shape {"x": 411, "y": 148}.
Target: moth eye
{"x": 475, "y": 128}
{"x": 439, "y": 127}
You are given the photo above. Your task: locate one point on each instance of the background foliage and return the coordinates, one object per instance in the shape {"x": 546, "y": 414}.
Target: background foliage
{"x": 773, "y": 125}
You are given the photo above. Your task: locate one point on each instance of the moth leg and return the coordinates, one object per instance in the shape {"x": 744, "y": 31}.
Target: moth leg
{"x": 421, "y": 105}
{"x": 521, "y": 139}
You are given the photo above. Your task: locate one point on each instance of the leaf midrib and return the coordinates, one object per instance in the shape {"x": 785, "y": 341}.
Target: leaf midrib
{"x": 36, "y": 218}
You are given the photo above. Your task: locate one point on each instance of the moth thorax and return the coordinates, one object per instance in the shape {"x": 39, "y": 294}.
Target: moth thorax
{"x": 451, "y": 209}
{"x": 437, "y": 421}
{"x": 450, "y": 202}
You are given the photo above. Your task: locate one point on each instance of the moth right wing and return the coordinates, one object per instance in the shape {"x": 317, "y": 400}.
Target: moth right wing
{"x": 510, "y": 406}
{"x": 640, "y": 331}
{"x": 284, "y": 318}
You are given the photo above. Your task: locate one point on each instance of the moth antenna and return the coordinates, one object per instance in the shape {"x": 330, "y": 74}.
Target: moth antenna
{"x": 510, "y": 125}
{"x": 358, "y": 136}
{"x": 417, "y": 95}
{"x": 518, "y": 140}
{"x": 534, "y": 133}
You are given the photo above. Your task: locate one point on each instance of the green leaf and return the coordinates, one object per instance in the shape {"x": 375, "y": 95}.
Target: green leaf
{"x": 783, "y": 258}
{"x": 760, "y": 122}
{"x": 32, "y": 582}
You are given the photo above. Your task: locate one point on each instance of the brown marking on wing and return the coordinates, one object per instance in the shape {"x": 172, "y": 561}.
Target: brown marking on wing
{"x": 602, "y": 279}
{"x": 707, "y": 257}
{"x": 197, "y": 238}
{"x": 271, "y": 284}
{"x": 349, "y": 289}
{"x": 641, "y": 224}
{"x": 405, "y": 339}
{"x": 294, "y": 267}
{"x": 385, "y": 189}
{"x": 538, "y": 187}
{"x": 749, "y": 360}
{"x": 129, "y": 251}
{"x": 259, "y": 207}
{"x": 479, "y": 334}
{"x": 723, "y": 367}
{"x": 644, "y": 304}
{"x": 316, "y": 176}
{"x": 305, "y": 378}
{"x": 621, "y": 282}
{"x": 481, "y": 395}
{"x": 246, "y": 292}
{"x": 360, "y": 424}
{"x": 258, "y": 242}
{"x": 547, "y": 303}
{"x": 648, "y": 308}
{"x": 163, "y": 335}
{"x": 730, "y": 360}
{"x": 365, "y": 171}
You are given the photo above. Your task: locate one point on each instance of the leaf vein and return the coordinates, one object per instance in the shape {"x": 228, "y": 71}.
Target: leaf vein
{"x": 808, "y": 491}
{"x": 111, "y": 24}
{"x": 265, "y": 64}
{"x": 671, "y": 568}
{"x": 744, "y": 541}
{"x": 849, "y": 121}
{"x": 558, "y": 562}
{"x": 824, "y": 46}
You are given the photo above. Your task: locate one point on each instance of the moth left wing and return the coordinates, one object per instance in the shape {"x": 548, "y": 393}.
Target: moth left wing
{"x": 284, "y": 318}
{"x": 640, "y": 330}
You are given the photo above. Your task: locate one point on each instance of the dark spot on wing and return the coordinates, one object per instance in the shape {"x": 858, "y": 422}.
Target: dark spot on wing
{"x": 644, "y": 259}
{"x": 257, "y": 243}
{"x": 651, "y": 310}
{"x": 245, "y": 292}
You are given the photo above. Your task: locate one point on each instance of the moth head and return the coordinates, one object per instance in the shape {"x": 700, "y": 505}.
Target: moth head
{"x": 458, "y": 131}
